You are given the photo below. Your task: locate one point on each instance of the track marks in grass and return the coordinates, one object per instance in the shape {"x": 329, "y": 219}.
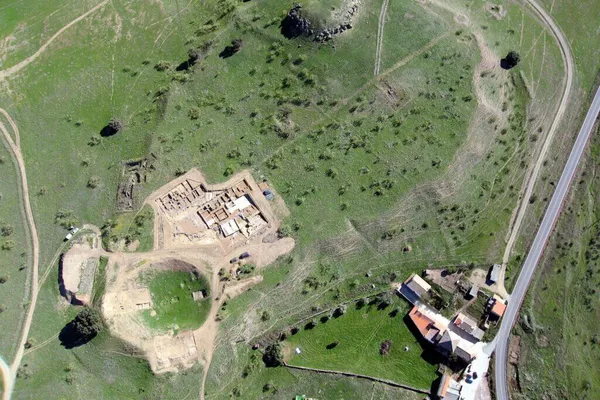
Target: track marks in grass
{"x": 382, "y": 15}
{"x": 16, "y": 68}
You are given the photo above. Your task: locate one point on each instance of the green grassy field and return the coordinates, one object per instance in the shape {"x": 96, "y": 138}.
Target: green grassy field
{"x": 99, "y": 282}
{"x": 368, "y": 166}
{"x": 173, "y": 302}
{"x": 288, "y": 383}
{"x": 14, "y": 254}
{"x": 360, "y": 333}
{"x": 559, "y": 317}
{"x": 559, "y": 321}
{"x": 132, "y": 227}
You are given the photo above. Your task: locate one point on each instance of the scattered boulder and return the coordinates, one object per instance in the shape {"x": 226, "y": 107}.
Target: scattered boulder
{"x": 294, "y": 24}
{"x": 327, "y": 34}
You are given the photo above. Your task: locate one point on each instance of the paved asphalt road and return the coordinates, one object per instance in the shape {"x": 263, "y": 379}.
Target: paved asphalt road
{"x": 539, "y": 243}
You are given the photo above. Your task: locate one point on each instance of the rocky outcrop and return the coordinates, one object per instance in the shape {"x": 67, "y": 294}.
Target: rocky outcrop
{"x": 294, "y": 24}
{"x": 346, "y": 17}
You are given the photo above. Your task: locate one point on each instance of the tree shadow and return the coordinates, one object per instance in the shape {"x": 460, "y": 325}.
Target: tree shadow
{"x": 229, "y": 51}
{"x": 108, "y": 131}
{"x": 61, "y": 282}
{"x": 505, "y": 64}
{"x": 184, "y": 66}
{"x": 70, "y": 338}
{"x": 510, "y": 61}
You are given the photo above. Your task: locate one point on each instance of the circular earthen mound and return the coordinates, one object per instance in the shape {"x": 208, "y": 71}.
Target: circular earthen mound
{"x": 179, "y": 296}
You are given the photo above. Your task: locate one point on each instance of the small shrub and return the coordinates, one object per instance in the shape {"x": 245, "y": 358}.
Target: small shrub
{"x": 273, "y": 356}
{"x": 93, "y": 182}
{"x": 194, "y": 113}
{"x": 7, "y": 230}
{"x": 384, "y": 348}
{"x": 8, "y": 245}
{"x": 265, "y": 316}
{"x": 163, "y": 66}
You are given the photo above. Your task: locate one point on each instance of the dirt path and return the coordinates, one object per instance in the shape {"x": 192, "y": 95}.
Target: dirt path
{"x": 13, "y": 126}
{"x": 16, "y": 150}
{"x": 6, "y": 382}
{"x": 16, "y": 68}
{"x": 380, "y": 36}
{"x": 535, "y": 172}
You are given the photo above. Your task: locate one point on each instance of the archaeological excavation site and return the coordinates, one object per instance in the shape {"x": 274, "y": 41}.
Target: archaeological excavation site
{"x": 210, "y": 243}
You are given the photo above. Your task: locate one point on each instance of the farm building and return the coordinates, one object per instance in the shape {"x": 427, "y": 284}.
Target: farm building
{"x": 472, "y": 293}
{"x": 449, "y": 389}
{"x": 468, "y": 325}
{"x": 494, "y": 274}
{"x": 414, "y": 288}
{"x": 498, "y": 306}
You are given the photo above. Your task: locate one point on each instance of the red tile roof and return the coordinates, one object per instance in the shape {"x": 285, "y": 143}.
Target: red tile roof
{"x": 424, "y": 324}
{"x": 498, "y": 308}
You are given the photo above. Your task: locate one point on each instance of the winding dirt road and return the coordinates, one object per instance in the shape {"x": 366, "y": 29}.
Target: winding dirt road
{"x": 380, "y": 37}
{"x": 568, "y": 87}
{"x": 16, "y": 150}
{"x": 16, "y": 68}
{"x": 552, "y": 212}
{"x": 9, "y": 373}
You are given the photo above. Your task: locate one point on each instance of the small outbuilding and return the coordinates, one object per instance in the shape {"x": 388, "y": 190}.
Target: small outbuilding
{"x": 472, "y": 293}
{"x": 494, "y": 274}
{"x": 199, "y": 295}
{"x": 449, "y": 389}
{"x": 498, "y": 306}
{"x": 414, "y": 288}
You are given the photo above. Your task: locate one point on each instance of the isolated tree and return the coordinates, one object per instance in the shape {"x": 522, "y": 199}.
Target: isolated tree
{"x": 162, "y": 66}
{"x": 236, "y": 45}
{"x": 269, "y": 387}
{"x": 88, "y": 322}
{"x": 7, "y": 230}
{"x": 511, "y": 60}
{"x": 194, "y": 55}
{"x": 228, "y": 51}
{"x": 265, "y": 316}
{"x": 273, "y": 356}
{"x": 384, "y": 300}
{"x": 115, "y": 124}
{"x": 332, "y": 345}
{"x": 93, "y": 182}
